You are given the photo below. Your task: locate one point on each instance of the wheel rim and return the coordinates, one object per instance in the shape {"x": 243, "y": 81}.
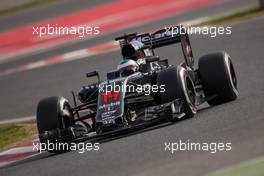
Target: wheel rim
{"x": 188, "y": 90}
{"x": 231, "y": 74}
{"x": 66, "y": 122}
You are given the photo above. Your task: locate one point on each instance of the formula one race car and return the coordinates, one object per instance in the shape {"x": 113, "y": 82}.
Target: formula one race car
{"x": 143, "y": 91}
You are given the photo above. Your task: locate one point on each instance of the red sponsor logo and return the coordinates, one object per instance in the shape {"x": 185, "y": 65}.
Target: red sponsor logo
{"x": 110, "y": 95}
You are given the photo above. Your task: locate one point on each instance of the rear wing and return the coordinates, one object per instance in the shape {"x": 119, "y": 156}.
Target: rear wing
{"x": 163, "y": 37}
{"x": 157, "y": 39}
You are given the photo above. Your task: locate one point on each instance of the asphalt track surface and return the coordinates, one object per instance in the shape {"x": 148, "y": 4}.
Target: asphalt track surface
{"x": 239, "y": 122}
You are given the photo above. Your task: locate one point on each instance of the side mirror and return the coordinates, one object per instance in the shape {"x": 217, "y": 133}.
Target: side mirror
{"x": 152, "y": 59}
{"x": 93, "y": 73}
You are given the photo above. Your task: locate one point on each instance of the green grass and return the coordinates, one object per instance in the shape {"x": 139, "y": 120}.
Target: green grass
{"x": 24, "y": 6}
{"x": 14, "y": 134}
{"x": 251, "y": 168}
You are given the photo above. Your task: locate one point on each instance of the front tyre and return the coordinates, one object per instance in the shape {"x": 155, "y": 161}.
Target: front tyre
{"x": 53, "y": 115}
{"x": 218, "y": 78}
{"x": 178, "y": 85}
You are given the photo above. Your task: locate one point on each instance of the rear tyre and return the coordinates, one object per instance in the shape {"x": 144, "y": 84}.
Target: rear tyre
{"x": 218, "y": 78}
{"x": 178, "y": 85}
{"x": 53, "y": 114}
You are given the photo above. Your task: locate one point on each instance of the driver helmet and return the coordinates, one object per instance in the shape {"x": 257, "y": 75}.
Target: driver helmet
{"x": 127, "y": 67}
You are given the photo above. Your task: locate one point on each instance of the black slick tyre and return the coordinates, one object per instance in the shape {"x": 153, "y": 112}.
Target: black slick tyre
{"x": 218, "y": 78}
